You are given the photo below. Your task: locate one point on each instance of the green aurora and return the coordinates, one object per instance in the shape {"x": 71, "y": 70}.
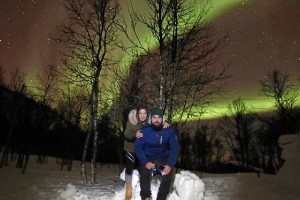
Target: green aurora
{"x": 25, "y": 42}
{"x": 253, "y": 102}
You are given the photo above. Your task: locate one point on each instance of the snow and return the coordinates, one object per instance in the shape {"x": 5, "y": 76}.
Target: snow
{"x": 186, "y": 186}
{"x": 47, "y": 181}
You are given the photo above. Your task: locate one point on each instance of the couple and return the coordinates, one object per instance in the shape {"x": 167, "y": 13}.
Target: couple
{"x": 156, "y": 147}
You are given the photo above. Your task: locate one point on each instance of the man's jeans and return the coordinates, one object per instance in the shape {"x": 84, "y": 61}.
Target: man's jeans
{"x": 145, "y": 181}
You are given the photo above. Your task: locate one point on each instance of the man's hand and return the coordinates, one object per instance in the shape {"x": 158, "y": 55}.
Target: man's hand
{"x": 150, "y": 165}
{"x": 167, "y": 169}
{"x": 138, "y": 134}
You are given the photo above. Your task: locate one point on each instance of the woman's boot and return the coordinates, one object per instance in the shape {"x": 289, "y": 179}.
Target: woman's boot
{"x": 128, "y": 191}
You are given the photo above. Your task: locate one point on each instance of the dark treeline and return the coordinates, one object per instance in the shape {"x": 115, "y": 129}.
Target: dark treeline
{"x": 241, "y": 142}
{"x": 30, "y": 128}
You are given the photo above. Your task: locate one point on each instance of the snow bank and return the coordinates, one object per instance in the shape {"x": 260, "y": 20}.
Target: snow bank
{"x": 186, "y": 186}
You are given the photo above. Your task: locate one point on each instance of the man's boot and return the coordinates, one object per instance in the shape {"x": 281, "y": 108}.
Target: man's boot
{"x": 128, "y": 191}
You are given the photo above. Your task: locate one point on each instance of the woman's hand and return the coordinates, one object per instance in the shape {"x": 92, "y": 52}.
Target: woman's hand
{"x": 138, "y": 134}
{"x": 166, "y": 125}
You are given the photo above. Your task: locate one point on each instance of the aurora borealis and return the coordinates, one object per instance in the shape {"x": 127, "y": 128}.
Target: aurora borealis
{"x": 263, "y": 35}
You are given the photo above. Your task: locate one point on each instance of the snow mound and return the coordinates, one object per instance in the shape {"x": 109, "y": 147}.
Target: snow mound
{"x": 186, "y": 186}
{"x": 71, "y": 193}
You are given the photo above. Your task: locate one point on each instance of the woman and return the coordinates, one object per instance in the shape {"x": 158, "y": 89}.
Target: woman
{"x": 137, "y": 118}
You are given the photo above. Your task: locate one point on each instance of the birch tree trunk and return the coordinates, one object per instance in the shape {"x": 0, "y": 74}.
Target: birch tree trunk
{"x": 91, "y": 39}
{"x": 83, "y": 160}
{"x": 94, "y": 114}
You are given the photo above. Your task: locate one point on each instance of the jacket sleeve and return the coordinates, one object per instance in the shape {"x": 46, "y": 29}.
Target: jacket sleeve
{"x": 129, "y": 132}
{"x": 139, "y": 151}
{"x": 173, "y": 148}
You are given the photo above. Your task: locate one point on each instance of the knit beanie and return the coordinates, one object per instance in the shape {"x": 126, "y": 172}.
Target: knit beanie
{"x": 156, "y": 111}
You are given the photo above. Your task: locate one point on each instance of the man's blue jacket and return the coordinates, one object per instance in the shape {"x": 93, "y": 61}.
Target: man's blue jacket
{"x": 157, "y": 145}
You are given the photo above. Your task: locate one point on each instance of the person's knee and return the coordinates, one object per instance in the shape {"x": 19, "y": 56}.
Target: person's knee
{"x": 167, "y": 177}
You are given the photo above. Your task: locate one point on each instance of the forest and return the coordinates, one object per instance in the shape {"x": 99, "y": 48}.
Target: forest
{"x": 241, "y": 141}
{"x": 77, "y": 110}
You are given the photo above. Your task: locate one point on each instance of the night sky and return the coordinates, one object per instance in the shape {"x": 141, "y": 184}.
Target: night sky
{"x": 264, "y": 35}
{"x": 24, "y": 36}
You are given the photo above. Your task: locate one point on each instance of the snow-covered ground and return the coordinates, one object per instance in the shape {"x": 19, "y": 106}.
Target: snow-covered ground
{"x": 47, "y": 181}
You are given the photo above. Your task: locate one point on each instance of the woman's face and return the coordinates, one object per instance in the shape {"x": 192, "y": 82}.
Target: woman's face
{"x": 142, "y": 115}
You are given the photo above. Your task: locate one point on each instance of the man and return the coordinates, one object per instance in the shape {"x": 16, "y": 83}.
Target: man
{"x": 156, "y": 150}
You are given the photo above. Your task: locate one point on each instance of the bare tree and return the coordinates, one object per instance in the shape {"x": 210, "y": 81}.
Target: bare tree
{"x": 74, "y": 105}
{"x": 238, "y": 129}
{"x": 90, "y": 38}
{"x": 45, "y": 89}
{"x": 203, "y": 147}
{"x": 2, "y": 77}
{"x": 266, "y": 146}
{"x": 185, "y": 68}
{"x": 17, "y": 84}
{"x": 278, "y": 87}
{"x": 17, "y": 81}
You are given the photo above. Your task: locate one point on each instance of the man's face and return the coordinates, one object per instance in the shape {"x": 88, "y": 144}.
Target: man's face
{"x": 156, "y": 122}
